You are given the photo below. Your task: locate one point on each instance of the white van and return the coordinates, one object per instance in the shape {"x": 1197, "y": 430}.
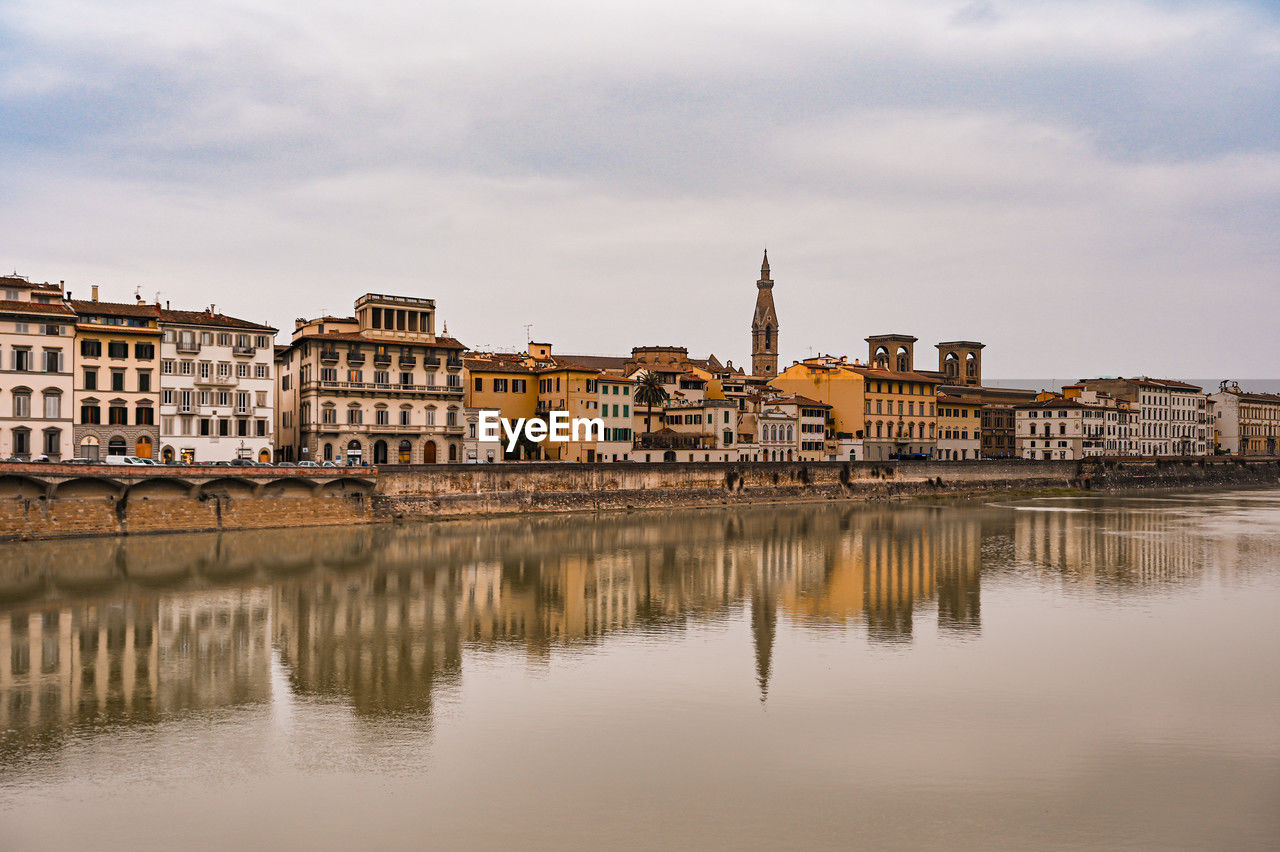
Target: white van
{"x": 122, "y": 460}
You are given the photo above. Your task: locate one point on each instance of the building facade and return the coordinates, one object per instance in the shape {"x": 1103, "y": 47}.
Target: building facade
{"x": 379, "y": 387}
{"x": 1247, "y": 423}
{"x": 216, "y": 388}
{"x": 1173, "y": 416}
{"x": 959, "y": 428}
{"x": 117, "y": 392}
{"x": 37, "y": 344}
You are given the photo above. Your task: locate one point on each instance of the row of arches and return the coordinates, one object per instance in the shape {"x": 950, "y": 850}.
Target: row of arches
{"x": 381, "y": 452}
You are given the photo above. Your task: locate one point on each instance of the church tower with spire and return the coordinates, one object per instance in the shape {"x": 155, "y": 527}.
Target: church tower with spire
{"x": 764, "y": 327}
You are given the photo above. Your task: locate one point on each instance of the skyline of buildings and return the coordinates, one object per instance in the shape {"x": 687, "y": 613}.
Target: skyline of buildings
{"x": 382, "y": 387}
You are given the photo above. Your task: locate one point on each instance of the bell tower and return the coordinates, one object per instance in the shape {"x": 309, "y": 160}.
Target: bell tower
{"x": 764, "y": 327}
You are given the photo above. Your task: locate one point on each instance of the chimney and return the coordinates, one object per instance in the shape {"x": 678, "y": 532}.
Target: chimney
{"x": 166, "y": 304}
{"x": 95, "y": 292}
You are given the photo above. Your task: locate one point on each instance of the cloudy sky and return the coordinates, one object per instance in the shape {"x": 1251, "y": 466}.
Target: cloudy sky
{"x": 1088, "y": 187}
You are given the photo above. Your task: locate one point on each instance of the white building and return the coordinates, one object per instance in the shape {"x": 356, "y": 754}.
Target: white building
{"x": 217, "y": 399}
{"x": 615, "y": 409}
{"x": 1173, "y": 416}
{"x": 37, "y": 335}
{"x": 1247, "y": 423}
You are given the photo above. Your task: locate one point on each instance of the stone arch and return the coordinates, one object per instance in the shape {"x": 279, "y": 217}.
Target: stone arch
{"x": 230, "y": 486}
{"x": 902, "y": 360}
{"x": 88, "y": 486}
{"x": 951, "y": 365}
{"x": 117, "y": 446}
{"x": 344, "y": 486}
{"x": 16, "y": 485}
{"x": 159, "y": 488}
{"x": 429, "y": 452}
{"x": 167, "y": 454}
{"x": 453, "y": 453}
{"x": 264, "y": 455}
{"x": 289, "y": 486}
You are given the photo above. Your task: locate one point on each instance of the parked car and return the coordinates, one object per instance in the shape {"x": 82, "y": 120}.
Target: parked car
{"x": 290, "y": 464}
{"x": 305, "y": 464}
{"x": 139, "y": 460}
{"x": 328, "y": 464}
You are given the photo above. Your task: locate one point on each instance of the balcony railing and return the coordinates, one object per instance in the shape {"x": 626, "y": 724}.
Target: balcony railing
{"x": 380, "y": 386}
{"x": 220, "y": 381}
{"x": 382, "y": 360}
{"x": 189, "y": 346}
{"x": 453, "y": 364}
{"x": 329, "y": 356}
{"x": 243, "y": 350}
{"x": 355, "y": 359}
{"x": 431, "y": 361}
{"x": 408, "y": 362}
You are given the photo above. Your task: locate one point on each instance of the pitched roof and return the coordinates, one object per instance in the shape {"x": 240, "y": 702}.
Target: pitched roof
{"x": 55, "y": 309}
{"x": 596, "y": 362}
{"x": 115, "y": 309}
{"x": 205, "y": 318}
{"x": 875, "y": 373}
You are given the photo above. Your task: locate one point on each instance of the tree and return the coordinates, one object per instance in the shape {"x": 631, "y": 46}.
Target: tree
{"x": 650, "y": 392}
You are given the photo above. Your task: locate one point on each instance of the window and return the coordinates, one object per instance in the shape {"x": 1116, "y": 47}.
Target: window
{"x": 118, "y": 415}
{"x": 90, "y": 378}
{"x": 117, "y": 380}
{"x": 187, "y": 368}
{"x": 382, "y": 417}
{"x": 328, "y": 414}
{"x": 22, "y": 359}
{"x": 91, "y": 348}
{"x": 117, "y": 349}
{"x": 355, "y": 416}
{"x": 478, "y": 383}
{"x": 144, "y": 381}
{"x": 519, "y": 385}
{"x": 21, "y": 441}
{"x": 53, "y": 360}
{"x": 52, "y": 405}
{"x": 500, "y": 385}
{"x": 90, "y": 414}
{"x": 22, "y": 403}
{"x": 52, "y": 442}
{"x": 404, "y": 417}
{"x": 145, "y": 414}
{"x": 144, "y": 351}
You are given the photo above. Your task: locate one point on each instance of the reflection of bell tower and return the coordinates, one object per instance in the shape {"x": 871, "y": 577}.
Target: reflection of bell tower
{"x": 764, "y": 626}
{"x": 764, "y": 326}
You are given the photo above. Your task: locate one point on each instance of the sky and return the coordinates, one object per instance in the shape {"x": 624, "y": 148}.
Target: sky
{"x": 1090, "y": 188}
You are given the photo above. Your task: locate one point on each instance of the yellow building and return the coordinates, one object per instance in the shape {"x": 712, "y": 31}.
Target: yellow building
{"x": 893, "y": 411}
{"x": 959, "y": 428}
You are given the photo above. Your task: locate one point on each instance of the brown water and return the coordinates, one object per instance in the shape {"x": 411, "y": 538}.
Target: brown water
{"x": 1065, "y": 672}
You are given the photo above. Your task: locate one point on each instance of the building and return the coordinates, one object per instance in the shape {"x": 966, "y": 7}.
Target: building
{"x": 764, "y": 327}
{"x": 216, "y": 387}
{"x": 615, "y": 409}
{"x": 37, "y": 340}
{"x": 1173, "y": 415}
{"x": 1076, "y": 424}
{"x": 117, "y": 390}
{"x": 959, "y": 428}
{"x": 999, "y": 431}
{"x": 380, "y": 387}
{"x": 960, "y": 362}
{"x": 1247, "y": 423}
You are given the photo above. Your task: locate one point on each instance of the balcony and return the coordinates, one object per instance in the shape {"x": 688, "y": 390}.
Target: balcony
{"x": 190, "y": 347}
{"x": 216, "y": 381}
{"x": 408, "y": 362}
{"x": 382, "y": 360}
{"x": 246, "y": 351}
{"x": 431, "y": 361}
{"x": 328, "y": 356}
{"x": 355, "y": 359}
{"x": 453, "y": 364}
{"x": 325, "y": 384}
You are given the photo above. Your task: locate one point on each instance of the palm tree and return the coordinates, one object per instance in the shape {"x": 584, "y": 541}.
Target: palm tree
{"x": 649, "y": 393}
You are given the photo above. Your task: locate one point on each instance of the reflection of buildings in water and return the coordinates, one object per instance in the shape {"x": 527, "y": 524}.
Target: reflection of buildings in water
{"x": 1129, "y": 546}
{"x": 881, "y": 568}
{"x": 132, "y": 658}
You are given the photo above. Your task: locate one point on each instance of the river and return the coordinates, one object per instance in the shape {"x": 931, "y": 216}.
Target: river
{"x": 1058, "y": 671}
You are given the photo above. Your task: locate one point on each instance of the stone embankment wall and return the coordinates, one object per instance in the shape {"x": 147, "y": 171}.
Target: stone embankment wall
{"x": 57, "y": 501}
{"x": 432, "y": 492}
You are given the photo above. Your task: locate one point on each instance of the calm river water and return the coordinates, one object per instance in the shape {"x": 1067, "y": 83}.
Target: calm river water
{"x": 1059, "y": 671}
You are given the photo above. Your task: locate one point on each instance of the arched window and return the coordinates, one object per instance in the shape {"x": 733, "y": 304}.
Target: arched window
{"x": 328, "y": 452}
{"x": 453, "y": 451}
{"x": 768, "y": 337}
{"x": 790, "y": 433}
{"x": 405, "y": 453}
{"x": 116, "y": 446}
{"x": 353, "y": 452}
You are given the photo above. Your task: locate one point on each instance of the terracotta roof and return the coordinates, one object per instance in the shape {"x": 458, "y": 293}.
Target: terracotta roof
{"x": 115, "y": 309}
{"x": 205, "y": 318}
{"x": 1056, "y": 402}
{"x": 485, "y": 365}
{"x": 596, "y": 362}
{"x": 57, "y": 308}
{"x": 873, "y": 373}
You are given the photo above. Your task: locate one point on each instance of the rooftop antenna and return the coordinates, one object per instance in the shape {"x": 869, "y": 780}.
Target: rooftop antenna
{"x": 528, "y": 332}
